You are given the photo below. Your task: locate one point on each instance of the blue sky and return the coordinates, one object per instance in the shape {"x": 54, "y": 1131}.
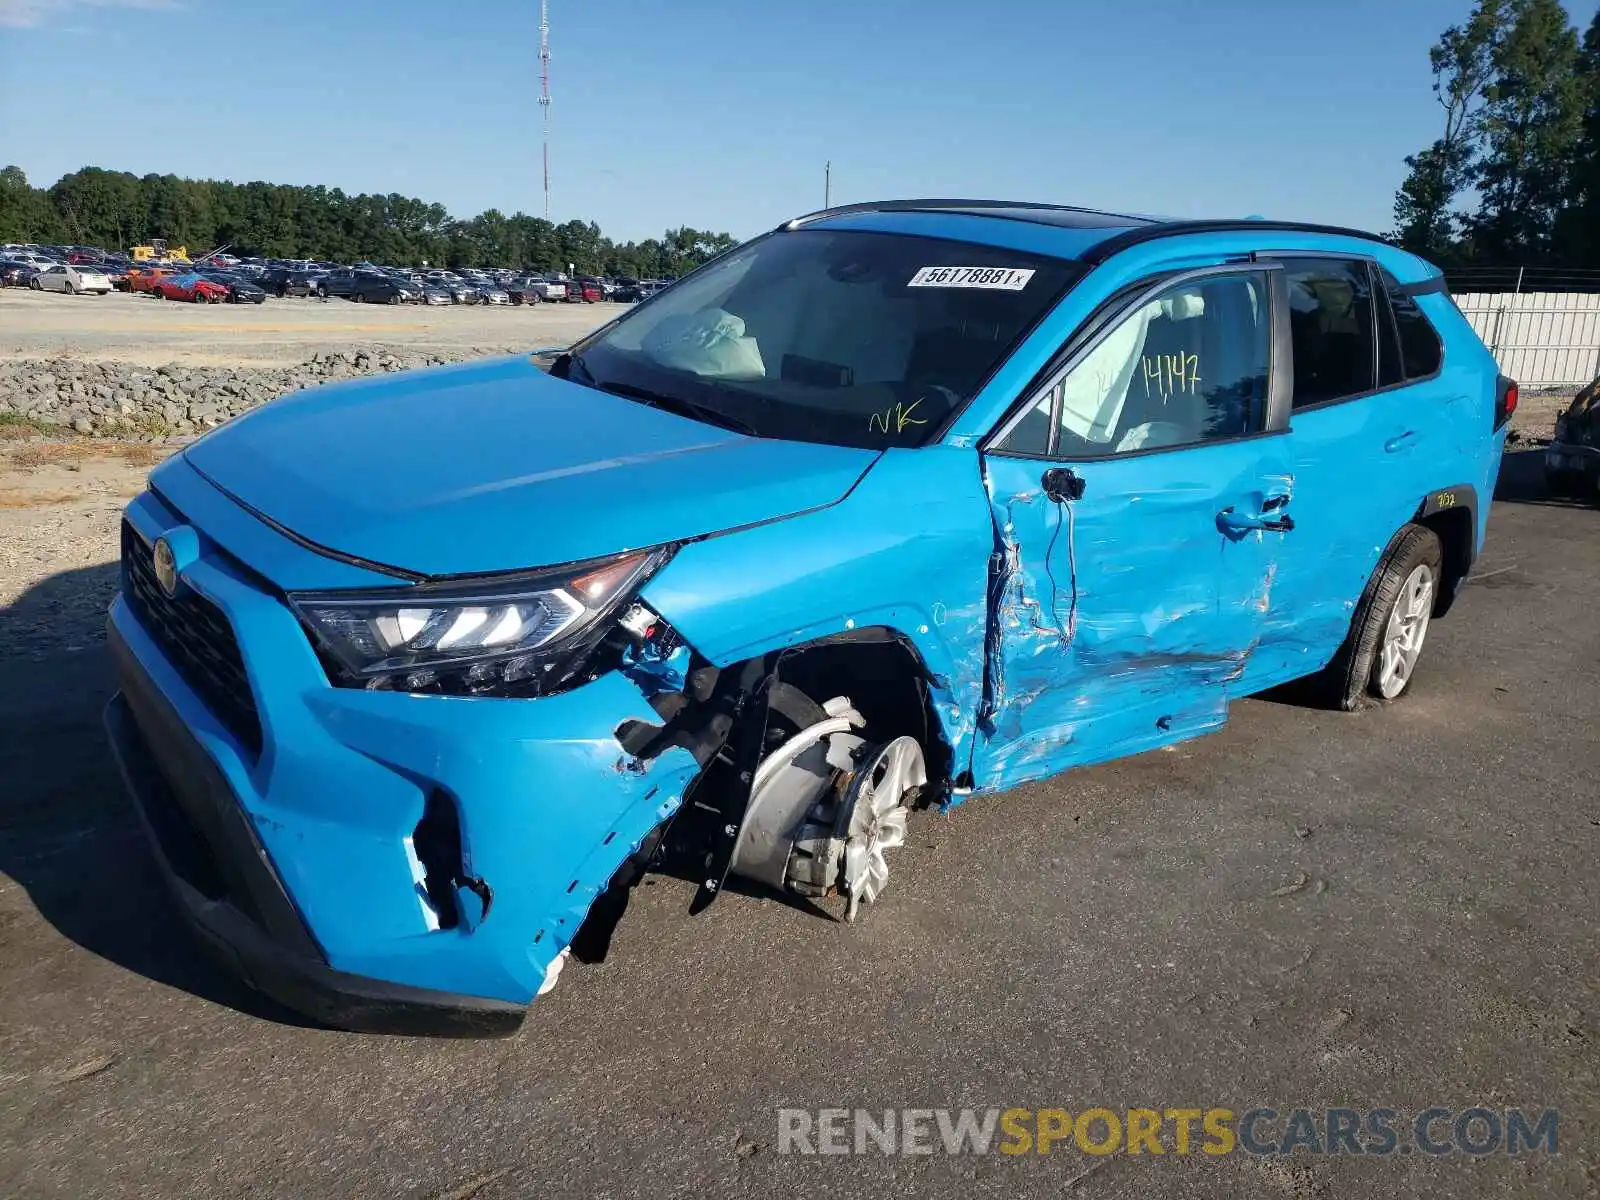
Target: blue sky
{"x": 721, "y": 114}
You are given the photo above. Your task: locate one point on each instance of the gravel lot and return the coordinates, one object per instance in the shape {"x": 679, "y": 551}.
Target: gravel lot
{"x": 141, "y": 330}
{"x": 1393, "y": 907}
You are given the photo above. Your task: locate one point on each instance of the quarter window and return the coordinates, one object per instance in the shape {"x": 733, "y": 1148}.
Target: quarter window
{"x": 1188, "y": 366}
{"x": 1331, "y": 324}
{"x": 1421, "y": 353}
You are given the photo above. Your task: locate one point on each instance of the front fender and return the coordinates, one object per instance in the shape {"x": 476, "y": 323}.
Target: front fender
{"x": 908, "y": 549}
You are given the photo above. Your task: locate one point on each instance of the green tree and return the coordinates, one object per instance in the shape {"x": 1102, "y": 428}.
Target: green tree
{"x": 1462, "y": 62}
{"x": 1531, "y": 123}
{"x": 115, "y": 209}
{"x": 1578, "y": 226}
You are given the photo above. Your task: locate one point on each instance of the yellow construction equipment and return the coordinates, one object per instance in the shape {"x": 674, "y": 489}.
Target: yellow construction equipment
{"x": 157, "y": 251}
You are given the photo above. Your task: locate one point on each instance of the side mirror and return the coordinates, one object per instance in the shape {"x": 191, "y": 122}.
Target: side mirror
{"x": 1062, "y": 483}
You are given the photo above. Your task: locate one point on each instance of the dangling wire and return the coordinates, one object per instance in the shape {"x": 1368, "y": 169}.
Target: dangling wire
{"x": 1070, "y": 629}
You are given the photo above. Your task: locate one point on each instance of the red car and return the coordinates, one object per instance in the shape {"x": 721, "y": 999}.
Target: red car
{"x": 584, "y": 293}
{"x": 189, "y": 287}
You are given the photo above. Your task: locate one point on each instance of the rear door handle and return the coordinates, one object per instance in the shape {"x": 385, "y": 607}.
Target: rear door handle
{"x": 1237, "y": 522}
{"x": 1401, "y": 441}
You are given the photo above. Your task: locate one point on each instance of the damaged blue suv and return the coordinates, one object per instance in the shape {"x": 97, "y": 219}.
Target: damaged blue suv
{"x": 894, "y": 504}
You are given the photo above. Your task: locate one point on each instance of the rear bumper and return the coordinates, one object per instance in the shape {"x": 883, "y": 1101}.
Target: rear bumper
{"x": 1564, "y": 456}
{"x": 230, "y": 893}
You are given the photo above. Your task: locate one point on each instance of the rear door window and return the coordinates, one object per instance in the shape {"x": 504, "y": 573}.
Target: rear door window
{"x": 1331, "y": 323}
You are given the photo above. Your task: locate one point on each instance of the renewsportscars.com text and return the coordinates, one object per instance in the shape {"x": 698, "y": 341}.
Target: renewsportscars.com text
{"x": 1377, "y": 1132}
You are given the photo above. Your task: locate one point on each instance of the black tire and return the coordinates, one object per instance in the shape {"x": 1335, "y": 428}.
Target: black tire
{"x": 1351, "y": 678}
{"x": 1563, "y": 483}
{"x": 358, "y": 297}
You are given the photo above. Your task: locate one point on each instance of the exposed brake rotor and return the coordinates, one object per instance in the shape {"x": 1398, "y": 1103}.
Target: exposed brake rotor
{"x": 824, "y": 808}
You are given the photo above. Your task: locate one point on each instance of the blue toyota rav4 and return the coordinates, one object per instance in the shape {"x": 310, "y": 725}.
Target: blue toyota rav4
{"x": 894, "y": 504}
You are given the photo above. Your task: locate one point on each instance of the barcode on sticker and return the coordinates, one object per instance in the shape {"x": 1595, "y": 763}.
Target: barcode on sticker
{"x": 1000, "y": 279}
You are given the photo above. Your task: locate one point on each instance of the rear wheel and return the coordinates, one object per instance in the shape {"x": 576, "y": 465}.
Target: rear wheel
{"x": 1379, "y": 657}
{"x": 395, "y": 299}
{"x": 198, "y": 297}
{"x": 358, "y": 297}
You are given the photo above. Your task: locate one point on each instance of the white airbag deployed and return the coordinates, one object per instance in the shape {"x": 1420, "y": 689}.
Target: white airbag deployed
{"x": 710, "y": 342}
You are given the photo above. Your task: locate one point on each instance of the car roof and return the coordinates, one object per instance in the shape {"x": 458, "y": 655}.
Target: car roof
{"x": 1088, "y": 235}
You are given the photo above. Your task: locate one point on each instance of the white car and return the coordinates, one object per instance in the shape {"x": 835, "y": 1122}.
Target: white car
{"x": 63, "y": 277}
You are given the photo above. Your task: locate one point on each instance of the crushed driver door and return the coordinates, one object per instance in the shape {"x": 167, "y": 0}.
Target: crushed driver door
{"x": 1138, "y": 500}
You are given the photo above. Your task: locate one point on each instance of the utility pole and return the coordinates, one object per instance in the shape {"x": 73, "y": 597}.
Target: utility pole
{"x": 827, "y": 184}
{"x": 544, "y": 93}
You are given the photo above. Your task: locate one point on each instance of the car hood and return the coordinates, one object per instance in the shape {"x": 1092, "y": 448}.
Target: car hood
{"x": 496, "y": 466}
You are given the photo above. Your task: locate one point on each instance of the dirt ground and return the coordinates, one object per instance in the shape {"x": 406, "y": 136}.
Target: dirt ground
{"x": 143, "y": 331}
{"x": 1389, "y": 908}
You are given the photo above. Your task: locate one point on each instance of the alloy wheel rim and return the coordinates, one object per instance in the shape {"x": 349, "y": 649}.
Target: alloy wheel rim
{"x": 1405, "y": 632}
{"x": 878, "y": 820}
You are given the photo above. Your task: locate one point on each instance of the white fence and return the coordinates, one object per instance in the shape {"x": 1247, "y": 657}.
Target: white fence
{"x": 1540, "y": 339}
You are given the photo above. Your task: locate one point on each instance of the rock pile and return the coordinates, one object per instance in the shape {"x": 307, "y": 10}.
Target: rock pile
{"x": 109, "y": 399}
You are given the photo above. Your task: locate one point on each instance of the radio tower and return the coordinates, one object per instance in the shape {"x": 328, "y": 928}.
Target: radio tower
{"x": 544, "y": 93}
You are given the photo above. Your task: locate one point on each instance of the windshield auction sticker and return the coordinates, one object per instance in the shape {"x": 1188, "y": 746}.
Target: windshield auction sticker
{"x": 998, "y": 279}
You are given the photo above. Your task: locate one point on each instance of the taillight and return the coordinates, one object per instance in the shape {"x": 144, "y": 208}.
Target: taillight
{"x": 1505, "y": 400}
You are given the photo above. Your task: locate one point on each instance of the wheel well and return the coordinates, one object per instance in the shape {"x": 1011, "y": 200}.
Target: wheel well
{"x": 1456, "y": 531}
{"x": 886, "y": 680}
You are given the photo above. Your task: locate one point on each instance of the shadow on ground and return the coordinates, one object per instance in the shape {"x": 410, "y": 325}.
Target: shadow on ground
{"x": 68, "y": 833}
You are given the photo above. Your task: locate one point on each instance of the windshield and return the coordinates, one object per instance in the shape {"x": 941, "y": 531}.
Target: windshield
{"x": 856, "y": 339}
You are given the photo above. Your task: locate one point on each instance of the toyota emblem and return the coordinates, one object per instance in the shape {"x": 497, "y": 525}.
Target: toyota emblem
{"x": 166, "y": 567}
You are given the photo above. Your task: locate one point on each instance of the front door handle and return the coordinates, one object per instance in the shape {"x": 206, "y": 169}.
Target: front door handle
{"x": 1230, "y": 521}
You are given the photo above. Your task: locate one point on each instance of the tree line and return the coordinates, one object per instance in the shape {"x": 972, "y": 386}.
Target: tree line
{"x": 1514, "y": 177}
{"x": 116, "y": 209}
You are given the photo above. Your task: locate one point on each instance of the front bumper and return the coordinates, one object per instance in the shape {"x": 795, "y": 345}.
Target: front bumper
{"x": 317, "y": 891}
{"x": 232, "y": 898}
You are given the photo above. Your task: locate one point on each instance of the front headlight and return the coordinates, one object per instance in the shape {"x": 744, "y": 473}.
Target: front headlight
{"x": 523, "y": 634}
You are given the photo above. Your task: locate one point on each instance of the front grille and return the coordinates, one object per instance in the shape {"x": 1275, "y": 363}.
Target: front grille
{"x": 196, "y": 638}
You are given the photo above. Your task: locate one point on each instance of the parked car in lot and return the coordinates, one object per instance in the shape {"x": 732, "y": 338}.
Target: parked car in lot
{"x": 436, "y": 293}
{"x": 1572, "y": 459}
{"x": 239, "y": 290}
{"x": 16, "y": 274}
{"x": 414, "y": 670}
{"x": 384, "y": 289}
{"x": 62, "y": 277}
{"x": 583, "y": 293}
{"x": 493, "y": 293}
{"x": 281, "y": 281}
{"x": 525, "y": 290}
{"x": 460, "y": 291}
{"x": 143, "y": 278}
{"x": 345, "y": 283}
{"x": 190, "y": 286}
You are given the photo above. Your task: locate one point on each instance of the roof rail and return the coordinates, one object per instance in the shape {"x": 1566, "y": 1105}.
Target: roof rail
{"x": 942, "y": 205}
{"x": 1100, "y": 251}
